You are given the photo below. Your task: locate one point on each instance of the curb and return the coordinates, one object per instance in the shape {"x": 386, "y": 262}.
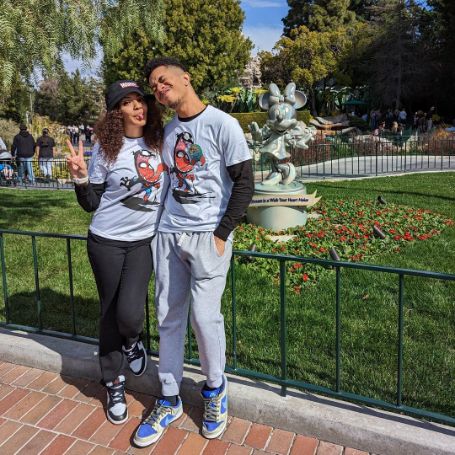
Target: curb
{"x": 325, "y": 418}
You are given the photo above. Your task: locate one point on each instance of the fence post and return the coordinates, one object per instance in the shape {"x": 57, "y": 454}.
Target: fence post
{"x": 5, "y": 288}
{"x": 37, "y": 288}
{"x": 400, "y": 338}
{"x": 283, "y": 331}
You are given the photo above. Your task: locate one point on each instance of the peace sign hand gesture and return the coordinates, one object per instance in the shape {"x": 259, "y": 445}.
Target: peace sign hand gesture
{"x": 76, "y": 162}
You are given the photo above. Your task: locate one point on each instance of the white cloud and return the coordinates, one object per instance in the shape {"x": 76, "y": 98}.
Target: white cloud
{"x": 262, "y": 3}
{"x": 263, "y": 37}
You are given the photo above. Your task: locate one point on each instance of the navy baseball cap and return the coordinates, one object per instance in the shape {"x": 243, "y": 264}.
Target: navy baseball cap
{"x": 118, "y": 90}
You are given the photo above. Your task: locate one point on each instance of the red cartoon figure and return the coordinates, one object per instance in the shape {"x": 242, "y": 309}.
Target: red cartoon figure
{"x": 187, "y": 155}
{"x": 146, "y": 174}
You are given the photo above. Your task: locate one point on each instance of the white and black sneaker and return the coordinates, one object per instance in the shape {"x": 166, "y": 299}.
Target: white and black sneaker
{"x": 117, "y": 411}
{"x": 136, "y": 356}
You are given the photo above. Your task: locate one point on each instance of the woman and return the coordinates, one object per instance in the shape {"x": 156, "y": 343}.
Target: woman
{"x": 123, "y": 187}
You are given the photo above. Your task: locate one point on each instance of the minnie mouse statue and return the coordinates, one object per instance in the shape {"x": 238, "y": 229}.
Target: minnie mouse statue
{"x": 282, "y": 132}
{"x": 279, "y": 202}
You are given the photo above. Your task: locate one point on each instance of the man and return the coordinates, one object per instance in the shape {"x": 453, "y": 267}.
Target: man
{"x": 45, "y": 147}
{"x": 23, "y": 149}
{"x": 211, "y": 185}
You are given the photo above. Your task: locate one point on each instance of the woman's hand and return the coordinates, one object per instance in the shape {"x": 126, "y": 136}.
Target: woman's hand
{"x": 76, "y": 162}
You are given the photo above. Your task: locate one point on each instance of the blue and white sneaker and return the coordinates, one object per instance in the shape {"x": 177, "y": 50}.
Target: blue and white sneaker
{"x": 152, "y": 427}
{"x": 215, "y": 411}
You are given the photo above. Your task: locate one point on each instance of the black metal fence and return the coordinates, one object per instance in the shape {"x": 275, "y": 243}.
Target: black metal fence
{"x": 360, "y": 156}
{"x": 326, "y": 156}
{"x": 52, "y": 174}
{"x": 283, "y": 378}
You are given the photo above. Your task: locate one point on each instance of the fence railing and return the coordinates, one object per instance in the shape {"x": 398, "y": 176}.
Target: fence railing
{"x": 338, "y": 156}
{"x": 326, "y": 156}
{"x": 283, "y": 379}
{"x": 52, "y": 173}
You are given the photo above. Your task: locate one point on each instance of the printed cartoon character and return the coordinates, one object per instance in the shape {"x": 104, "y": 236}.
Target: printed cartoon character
{"x": 187, "y": 155}
{"x": 146, "y": 174}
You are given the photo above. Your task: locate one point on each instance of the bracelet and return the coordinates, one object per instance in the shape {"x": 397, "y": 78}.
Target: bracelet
{"x": 80, "y": 181}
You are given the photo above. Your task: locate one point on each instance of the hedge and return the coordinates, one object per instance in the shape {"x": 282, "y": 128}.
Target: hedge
{"x": 245, "y": 118}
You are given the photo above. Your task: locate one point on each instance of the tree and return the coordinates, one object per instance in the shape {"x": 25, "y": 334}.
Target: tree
{"x": 397, "y": 63}
{"x": 70, "y": 99}
{"x": 441, "y": 40}
{"x": 34, "y": 34}
{"x": 319, "y": 15}
{"x": 206, "y": 36}
{"x": 308, "y": 57}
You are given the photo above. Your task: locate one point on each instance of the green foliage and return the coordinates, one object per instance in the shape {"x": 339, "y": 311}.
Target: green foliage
{"x": 347, "y": 226}
{"x": 261, "y": 117}
{"x": 34, "y": 34}
{"x": 319, "y": 15}
{"x": 70, "y": 99}
{"x": 234, "y": 99}
{"x": 8, "y": 129}
{"x": 206, "y": 36}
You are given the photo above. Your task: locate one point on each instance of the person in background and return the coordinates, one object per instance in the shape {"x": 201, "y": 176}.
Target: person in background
{"x": 211, "y": 186}
{"x": 23, "y": 149}
{"x": 45, "y": 147}
{"x": 123, "y": 188}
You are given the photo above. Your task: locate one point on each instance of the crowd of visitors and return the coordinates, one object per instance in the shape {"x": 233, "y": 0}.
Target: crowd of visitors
{"x": 395, "y": 121}
{"x": 82, "y": 131}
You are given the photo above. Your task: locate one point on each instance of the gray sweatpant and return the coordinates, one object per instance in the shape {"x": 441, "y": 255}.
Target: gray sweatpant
{"x": 189, "y": 269}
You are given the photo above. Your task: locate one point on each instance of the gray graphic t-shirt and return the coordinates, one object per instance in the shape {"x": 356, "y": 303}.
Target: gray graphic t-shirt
{"x": 131, "y": 205}
{"x": 196, "y": 154}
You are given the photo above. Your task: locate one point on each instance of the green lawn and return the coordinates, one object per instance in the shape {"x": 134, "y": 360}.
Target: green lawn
{"x": 368, "y": 300}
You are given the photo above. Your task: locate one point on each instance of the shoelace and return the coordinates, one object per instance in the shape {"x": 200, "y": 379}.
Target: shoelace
{"x": 116, "y": 393}
{"x": 158, "y": 412}
{"x": 134, "y": 353}
{"x": 212, "y": 408}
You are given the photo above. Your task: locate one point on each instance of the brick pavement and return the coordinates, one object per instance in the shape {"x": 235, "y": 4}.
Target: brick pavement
{"x": 49, "y": 414}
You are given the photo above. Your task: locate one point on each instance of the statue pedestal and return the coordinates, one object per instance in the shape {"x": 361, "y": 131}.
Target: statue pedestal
{"x": 279, "y": 207}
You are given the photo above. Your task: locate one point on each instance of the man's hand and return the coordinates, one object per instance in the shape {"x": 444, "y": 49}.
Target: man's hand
{"x": 220, "y": 245}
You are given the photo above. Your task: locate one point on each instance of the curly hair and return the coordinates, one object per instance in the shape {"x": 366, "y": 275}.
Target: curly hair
{"x": 110, "y": 132}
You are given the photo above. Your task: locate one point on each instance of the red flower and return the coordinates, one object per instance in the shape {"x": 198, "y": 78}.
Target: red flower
{"x": 343, "y": 238}
{"x": 305, "y": 277}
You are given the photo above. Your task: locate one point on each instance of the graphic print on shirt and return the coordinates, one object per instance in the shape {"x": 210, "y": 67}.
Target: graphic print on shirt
{"x": 188, "y": 157}
{"x": 148, "y": 176}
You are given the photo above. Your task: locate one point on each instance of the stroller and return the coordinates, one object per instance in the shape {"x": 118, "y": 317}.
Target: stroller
{"x": 8, "y": 174}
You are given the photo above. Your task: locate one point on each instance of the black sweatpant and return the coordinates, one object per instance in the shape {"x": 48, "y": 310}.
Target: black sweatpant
{"x": 122, "y": 272}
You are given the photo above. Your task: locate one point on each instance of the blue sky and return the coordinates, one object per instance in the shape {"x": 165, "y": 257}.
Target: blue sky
{"x": 262, "y": 25}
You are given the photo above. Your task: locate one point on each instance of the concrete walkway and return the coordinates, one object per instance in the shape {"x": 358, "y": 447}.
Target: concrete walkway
{"x": 49, "y": 393}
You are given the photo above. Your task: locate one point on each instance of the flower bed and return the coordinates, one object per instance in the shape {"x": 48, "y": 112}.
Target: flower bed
{"x": 346, "y": 226}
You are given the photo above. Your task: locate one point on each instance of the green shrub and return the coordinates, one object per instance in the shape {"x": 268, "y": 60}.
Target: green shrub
{"x": 8, "y": 129}
{"x": 261, "y": 117}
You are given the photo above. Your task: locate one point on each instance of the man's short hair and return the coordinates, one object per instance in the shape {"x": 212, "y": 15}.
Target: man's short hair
{"x": 162, "y": 61}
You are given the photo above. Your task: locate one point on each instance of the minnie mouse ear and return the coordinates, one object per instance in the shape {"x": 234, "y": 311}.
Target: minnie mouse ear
{"x": 300, "y": 99}
{"x": 264, "y": 99}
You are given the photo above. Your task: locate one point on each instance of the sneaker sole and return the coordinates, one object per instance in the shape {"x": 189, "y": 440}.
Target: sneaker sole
{"x": 157, "y": 436}
{"x": 217, "y": 433}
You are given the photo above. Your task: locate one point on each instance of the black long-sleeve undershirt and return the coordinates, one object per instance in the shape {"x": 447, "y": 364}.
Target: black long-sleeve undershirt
{"x": 242, "y": 192}
{"x": 89, "y": 195}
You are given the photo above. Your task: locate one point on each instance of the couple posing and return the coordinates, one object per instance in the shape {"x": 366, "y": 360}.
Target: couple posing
{"x": 182, "y": 190}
